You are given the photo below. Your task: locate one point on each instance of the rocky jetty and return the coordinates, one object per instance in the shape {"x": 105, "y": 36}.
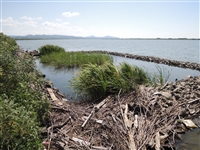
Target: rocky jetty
{"x": 181, "y": 64}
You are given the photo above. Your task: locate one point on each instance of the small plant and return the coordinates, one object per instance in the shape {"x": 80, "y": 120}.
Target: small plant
{"x": 162, "y": 77}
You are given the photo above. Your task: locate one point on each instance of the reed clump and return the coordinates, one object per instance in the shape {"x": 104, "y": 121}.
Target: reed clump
{"x": 48, "y": 49}
{"x": 60, "y": 58}
{"x": 98, "y": 81}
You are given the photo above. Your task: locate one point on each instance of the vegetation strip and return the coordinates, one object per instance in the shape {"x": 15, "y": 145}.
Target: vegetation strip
{"x": 57, "y": 57}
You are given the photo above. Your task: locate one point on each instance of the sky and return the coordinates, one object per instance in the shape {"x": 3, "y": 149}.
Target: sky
{"x": 123, "y": 19}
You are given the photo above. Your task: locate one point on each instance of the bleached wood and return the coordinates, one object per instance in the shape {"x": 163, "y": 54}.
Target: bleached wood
{"x": 53, "y": 97}
{"x": 157, "y": 139}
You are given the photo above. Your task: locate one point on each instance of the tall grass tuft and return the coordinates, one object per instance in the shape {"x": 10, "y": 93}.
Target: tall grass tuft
{"x": 133, "y": 75}
{"x": 47, "y": 49}
{"x": 96, "y": 82}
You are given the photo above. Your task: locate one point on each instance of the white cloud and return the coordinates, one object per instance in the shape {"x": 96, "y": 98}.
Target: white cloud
{"x": 66, "y": 23}
{"x": 55, "y": 25}
{"x": 58, "y": 19}
{"x": 70, "y": 14}
{"x": 31, "y": 23}
{"x": 9, "y": 22}
{"x": 27, "y": 18}
{"x": 31, "y": 19}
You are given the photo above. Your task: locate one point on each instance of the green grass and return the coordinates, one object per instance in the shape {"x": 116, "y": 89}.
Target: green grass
{"x": 161, "y": 77}
{"x": 74, "y": 59}
{"x": 98, "y": 81}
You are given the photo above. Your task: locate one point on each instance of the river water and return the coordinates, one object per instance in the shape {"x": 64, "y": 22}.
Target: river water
{"x": 181, "y": 50}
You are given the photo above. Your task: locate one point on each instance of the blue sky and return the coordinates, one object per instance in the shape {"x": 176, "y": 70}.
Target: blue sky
{"x": 124, "y": 19}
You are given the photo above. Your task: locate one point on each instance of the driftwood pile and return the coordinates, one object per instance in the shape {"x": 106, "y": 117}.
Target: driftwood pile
{"x": 151, "y": 118}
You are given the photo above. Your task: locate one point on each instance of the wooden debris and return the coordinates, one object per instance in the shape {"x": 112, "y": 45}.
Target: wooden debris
{"x": 53, "y": 97}
{"x": 90, "y": 115}
{"x": 188, "y": 123}
{"x": 135, "y": 121}
{"x": 157, "y": 139}
{"x": 80, "y": 141}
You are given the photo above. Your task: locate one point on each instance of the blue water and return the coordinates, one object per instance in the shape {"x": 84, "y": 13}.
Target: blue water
{"x": 182, "y": 50}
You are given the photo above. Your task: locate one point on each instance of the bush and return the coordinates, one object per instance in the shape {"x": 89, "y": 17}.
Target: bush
{"x": 22, "y": 102}
{"x": 18, "y": 127}
{"x": 47, "y": 49}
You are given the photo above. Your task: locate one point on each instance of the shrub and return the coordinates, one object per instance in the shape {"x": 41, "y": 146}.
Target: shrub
{"x": 47, "y": 49}
{"x": 18, "y": 127}
{"x": 22, "y": 103}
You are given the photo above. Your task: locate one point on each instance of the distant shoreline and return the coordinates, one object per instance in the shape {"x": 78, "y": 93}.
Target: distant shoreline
{"x": 61, "y": 37}
{"x": 100, "y": 39}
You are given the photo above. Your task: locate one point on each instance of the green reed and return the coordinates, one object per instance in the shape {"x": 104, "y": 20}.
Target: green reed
{"x": 98, "y": 81}
{"x": 74, "y": 59}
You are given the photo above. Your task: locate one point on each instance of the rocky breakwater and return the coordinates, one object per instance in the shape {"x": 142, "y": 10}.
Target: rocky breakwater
{"x": 181, "y": 64}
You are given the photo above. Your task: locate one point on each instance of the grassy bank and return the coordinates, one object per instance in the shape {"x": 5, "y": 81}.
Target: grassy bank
{"x": 22, "y": 103}
{"x": 56, "y": 56}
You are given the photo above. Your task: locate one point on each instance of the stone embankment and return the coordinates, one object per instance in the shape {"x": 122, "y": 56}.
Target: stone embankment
{"x": 181, "y": 64}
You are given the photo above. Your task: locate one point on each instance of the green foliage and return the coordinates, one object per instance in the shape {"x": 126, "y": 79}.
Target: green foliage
{"x": 18, "y": 127}
{"x": 20, "y": 91}
{"x": 95, "y": 82}
{"x": 74, "y": 59}
{"x": 47, "y": 49}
